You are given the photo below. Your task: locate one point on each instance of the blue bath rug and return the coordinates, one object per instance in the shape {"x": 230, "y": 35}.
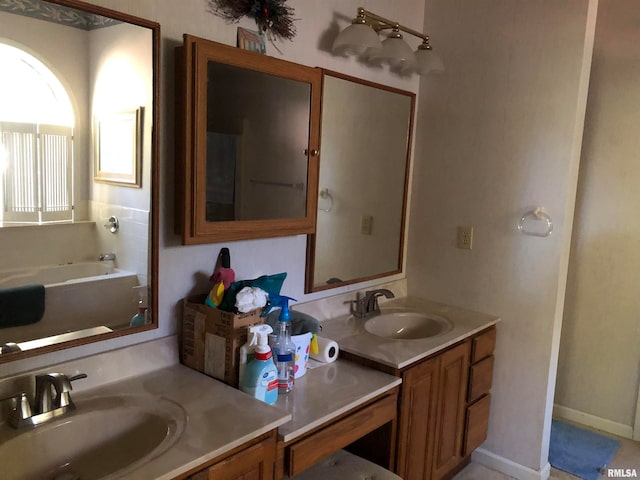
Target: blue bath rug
{"x": 580, "y": 452}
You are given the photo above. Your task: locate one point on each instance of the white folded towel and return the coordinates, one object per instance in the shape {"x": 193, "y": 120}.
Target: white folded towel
{"x": 250, "y": 298}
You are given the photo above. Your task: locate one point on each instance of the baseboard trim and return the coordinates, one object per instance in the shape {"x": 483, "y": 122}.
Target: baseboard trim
{"x": 509, "y": 467}
{"x": 609, "y": 426}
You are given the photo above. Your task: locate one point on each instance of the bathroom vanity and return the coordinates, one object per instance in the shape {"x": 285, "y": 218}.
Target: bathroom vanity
{"x": 157, "y": 425}
{"x": 417, "y": 407}
{"x": 456, "y": 395}
{"x": 446, "y": 381}
{"x": 332, "y": 407}
{"x": 423, "y": 426}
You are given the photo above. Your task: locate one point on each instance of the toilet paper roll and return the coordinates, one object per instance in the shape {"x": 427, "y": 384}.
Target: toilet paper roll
{"x": 327, "y": 350}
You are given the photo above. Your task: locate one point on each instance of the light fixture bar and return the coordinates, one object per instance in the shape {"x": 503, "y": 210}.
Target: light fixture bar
{"x": 361, "y": 38}
{"x": 384, "y": 23}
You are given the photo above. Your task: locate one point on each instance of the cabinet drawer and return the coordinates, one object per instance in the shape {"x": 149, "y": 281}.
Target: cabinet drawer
{"x": 480, "y": 378}
{"x": 476, "y": 425}
{"x": 253, "y": 463}
{"x": 483, "y": 345}
{"x": 306, "y": 452}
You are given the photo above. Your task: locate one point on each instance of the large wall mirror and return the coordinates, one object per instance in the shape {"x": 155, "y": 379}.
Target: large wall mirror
{"x": 79, "y": 251}
{"x": 248, "y": 155}
{"x": 365, "y": 143}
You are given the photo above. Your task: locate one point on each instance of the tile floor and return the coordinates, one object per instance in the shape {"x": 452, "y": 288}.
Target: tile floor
{"x": 628, "y": 456}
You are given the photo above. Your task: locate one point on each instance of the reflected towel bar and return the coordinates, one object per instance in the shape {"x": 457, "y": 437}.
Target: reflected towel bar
{"x": 298, "y": 186}
{"x": 326, "y": 195}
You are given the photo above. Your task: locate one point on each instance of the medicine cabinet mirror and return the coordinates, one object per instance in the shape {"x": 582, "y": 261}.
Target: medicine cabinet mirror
{"x": 363, "y": 181}
{"x": 247, "y": 149}
{"x": 79, "y": 256}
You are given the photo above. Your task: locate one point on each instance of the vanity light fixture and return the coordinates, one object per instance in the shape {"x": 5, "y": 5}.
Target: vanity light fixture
{"x": 362, "y": 38}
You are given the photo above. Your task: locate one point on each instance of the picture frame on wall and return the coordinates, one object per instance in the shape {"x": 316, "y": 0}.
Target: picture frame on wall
{"x": 118, "y": 147}
{"x": 251, "y": 40}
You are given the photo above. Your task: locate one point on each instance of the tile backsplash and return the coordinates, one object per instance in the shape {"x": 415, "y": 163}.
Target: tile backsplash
{"x": 130, "y": 243}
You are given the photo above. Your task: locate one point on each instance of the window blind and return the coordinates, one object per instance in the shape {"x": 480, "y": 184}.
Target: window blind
{"x": 38, "y": 178}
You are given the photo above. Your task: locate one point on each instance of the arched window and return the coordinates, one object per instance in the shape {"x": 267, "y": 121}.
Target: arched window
{"x": 36, "y": 135}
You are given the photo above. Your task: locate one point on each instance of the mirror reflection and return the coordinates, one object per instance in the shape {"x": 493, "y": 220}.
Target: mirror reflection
{"x": 257, "y": 136}
{"x": 365, "y": 143}
{"x": 76, "y": 259}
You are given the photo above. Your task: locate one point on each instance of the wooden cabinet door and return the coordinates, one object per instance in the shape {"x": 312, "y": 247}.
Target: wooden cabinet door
{"x": 418, "y": 409}
{"x": 254, "y": 463}
{"x": 477, "y": 424}
{"x": 452, "y": 383}
{"x": 213, "y": 117}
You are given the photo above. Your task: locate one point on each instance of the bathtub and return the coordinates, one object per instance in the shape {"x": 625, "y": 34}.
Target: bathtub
{"x": 78, "y": 296}
{"x": 53, "y": 275}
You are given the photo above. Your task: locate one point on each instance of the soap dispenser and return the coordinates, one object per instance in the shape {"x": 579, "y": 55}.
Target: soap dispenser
{"x": 140, "y": 318}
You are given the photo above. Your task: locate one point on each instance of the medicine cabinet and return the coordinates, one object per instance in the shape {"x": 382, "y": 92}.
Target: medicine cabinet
{"x": 247, "y": 136}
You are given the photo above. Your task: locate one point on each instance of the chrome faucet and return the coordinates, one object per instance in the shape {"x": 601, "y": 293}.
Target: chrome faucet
{"x": 367, "y": 305}
{"x": 107, "y": 256}
{"x": 52, "y": 399}
{"x": 46, "y": 400}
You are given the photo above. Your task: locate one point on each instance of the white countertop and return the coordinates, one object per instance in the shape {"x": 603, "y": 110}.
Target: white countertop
{"x": 219, "y": 417}
{"x": 352, "y": 337}
{"x": 326, "y": 392}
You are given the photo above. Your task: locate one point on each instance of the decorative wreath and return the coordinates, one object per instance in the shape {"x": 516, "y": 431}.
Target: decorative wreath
{"x": 272, "y": 16}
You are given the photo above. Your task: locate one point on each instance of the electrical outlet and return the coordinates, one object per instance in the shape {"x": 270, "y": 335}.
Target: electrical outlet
{"x": 365, "y": 224}
{"x": 465, "y": 238}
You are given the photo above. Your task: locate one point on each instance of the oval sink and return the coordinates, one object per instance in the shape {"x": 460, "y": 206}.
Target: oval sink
{"x": 407, "y": 325}
{"x": 103, "y": 438}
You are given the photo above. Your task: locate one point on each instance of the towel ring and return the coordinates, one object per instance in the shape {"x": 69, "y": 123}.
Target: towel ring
{"x": 324, "y": 194}
{"x": 536, "y": 214}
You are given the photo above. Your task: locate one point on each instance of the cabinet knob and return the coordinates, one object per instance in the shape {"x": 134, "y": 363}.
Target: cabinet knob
{"x": 314, "y": 152}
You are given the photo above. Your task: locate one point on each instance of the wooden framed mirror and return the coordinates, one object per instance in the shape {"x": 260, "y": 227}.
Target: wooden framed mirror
{"x": 365, "y": 140}
{"x": 81, "y": 257}
{"x": 247, "y": 148}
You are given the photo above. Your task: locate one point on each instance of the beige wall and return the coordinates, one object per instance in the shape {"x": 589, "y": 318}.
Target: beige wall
{"x": 121, "y": 78}
{"x": 599, "y": 366}
{"x": 498, "y": 133}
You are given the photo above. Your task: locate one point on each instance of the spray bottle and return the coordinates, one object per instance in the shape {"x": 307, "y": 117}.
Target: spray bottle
{"x": 247, "y": 350}
{"x": 260, "y": 376}
{"x": 284, "y": 349}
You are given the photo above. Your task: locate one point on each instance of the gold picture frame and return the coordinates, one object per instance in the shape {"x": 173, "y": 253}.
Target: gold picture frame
{"x": 118, "y": 147}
